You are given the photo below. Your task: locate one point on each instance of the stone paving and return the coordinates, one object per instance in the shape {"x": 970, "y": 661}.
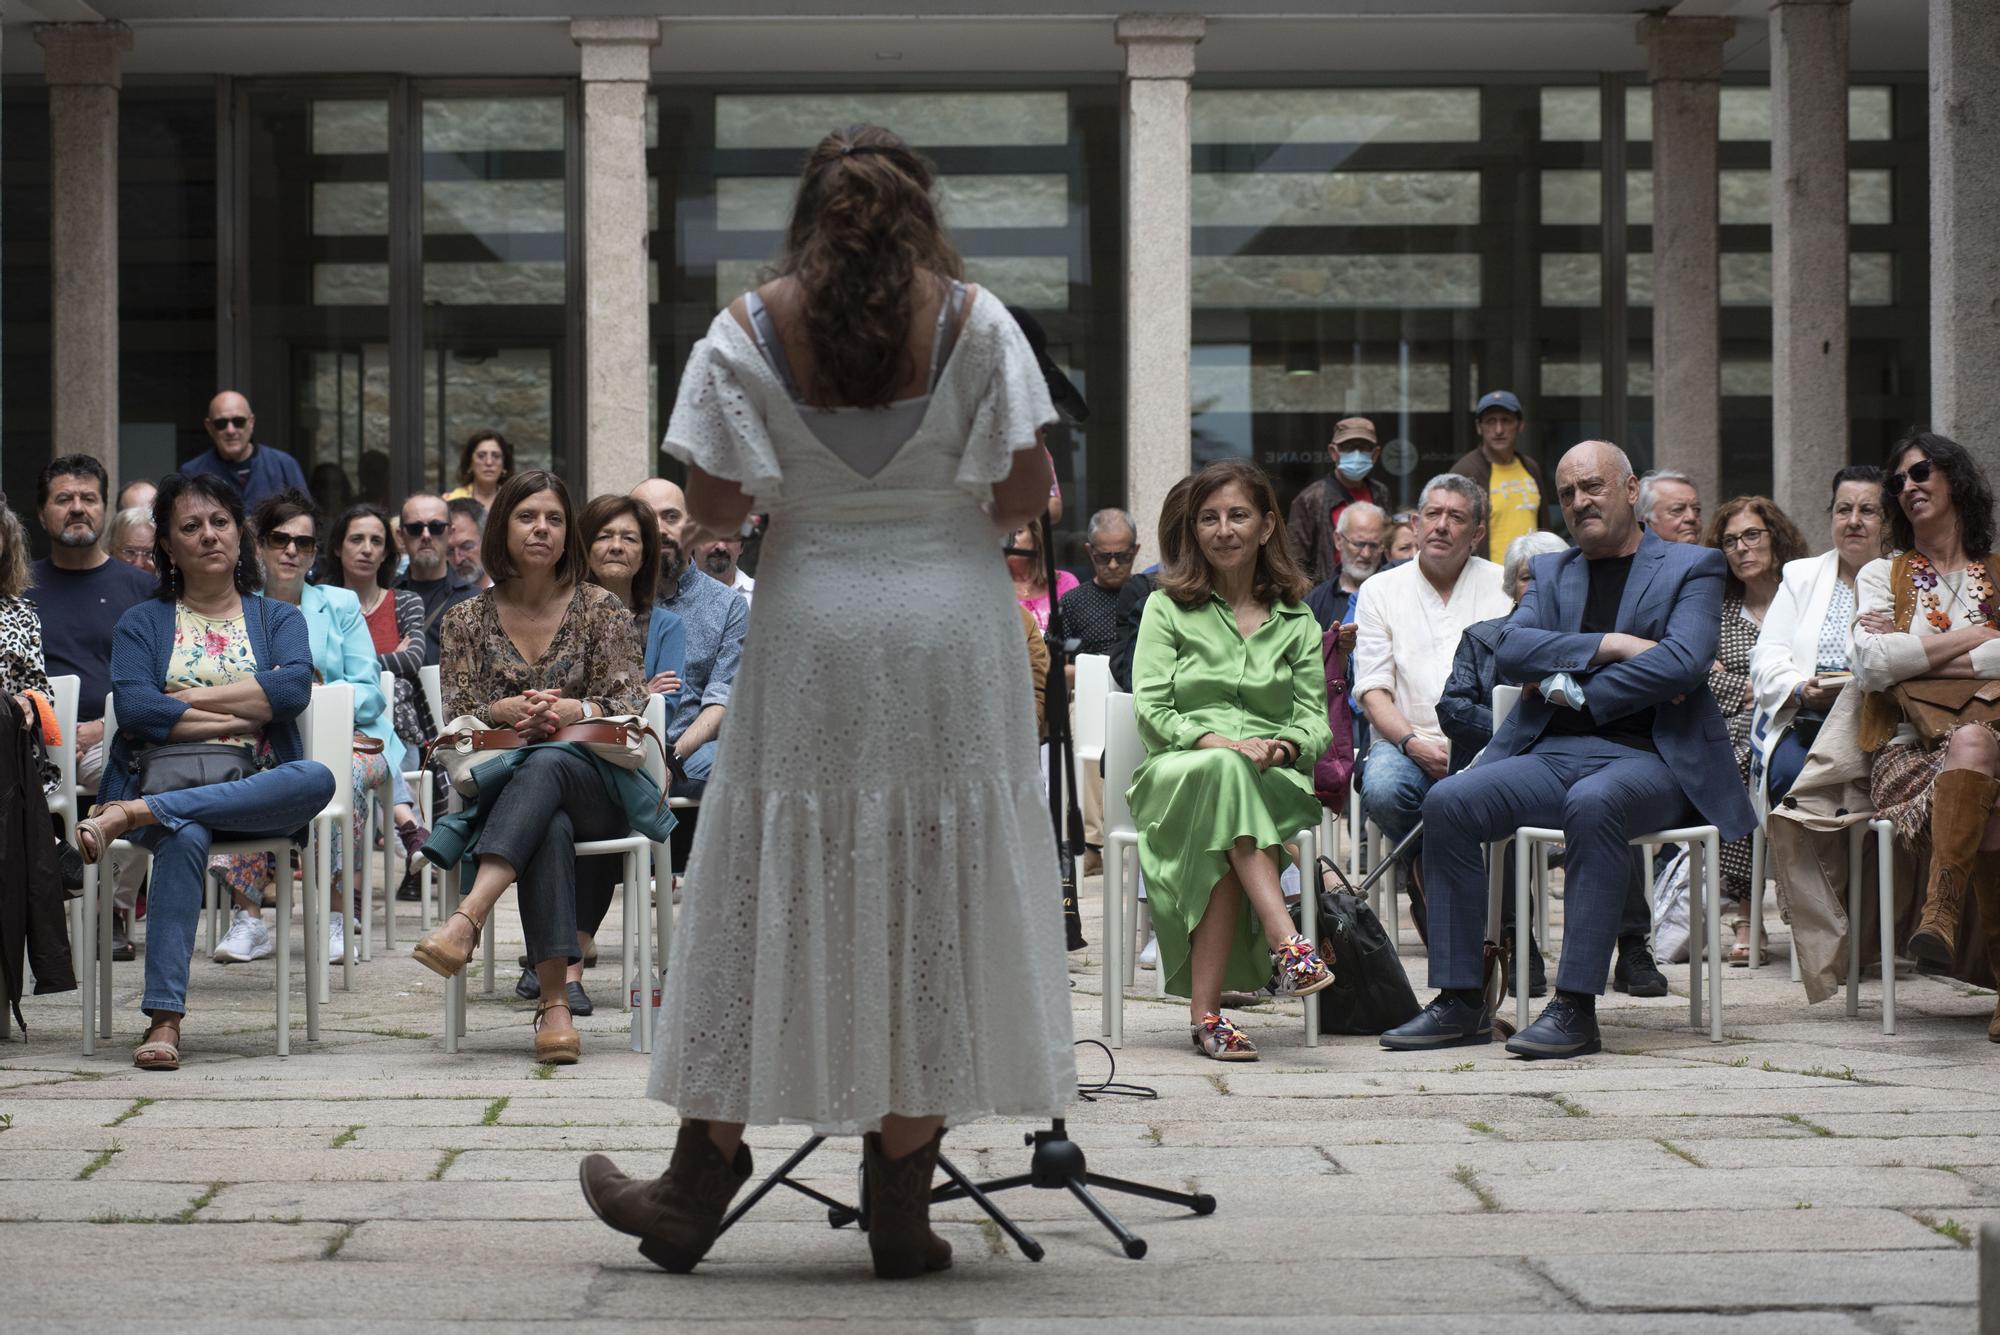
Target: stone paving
{"x": 1810, "y": 1175}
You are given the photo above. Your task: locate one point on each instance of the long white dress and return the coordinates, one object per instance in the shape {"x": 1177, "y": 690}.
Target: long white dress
{"x": 872, "y": 914}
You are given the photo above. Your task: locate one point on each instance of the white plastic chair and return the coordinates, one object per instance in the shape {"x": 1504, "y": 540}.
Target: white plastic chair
{"x": 1122, "y": 753}
{"x": 1705, "y": 880}
{"x": 636, "y": 850}
{"x": 329, "y": 713}
{"x": 329, "y": 739}
{"x": 1758, "y": 875}
{"x": 431, "y": 683}
{"x": 1093, "y": 684}
{"x": 1885, "y": 904}
{"x": 382, "y": 817}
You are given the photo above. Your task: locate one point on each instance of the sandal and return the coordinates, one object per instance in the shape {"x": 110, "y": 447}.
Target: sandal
{"x": 1215, "y": 1037}
{"x": 100, "y": 840}
{"x": 1299, "y": 969}
{"x": 436, "y": 953}
{"x": 160, "y": 1054}
{"x": 557, "y": 1046}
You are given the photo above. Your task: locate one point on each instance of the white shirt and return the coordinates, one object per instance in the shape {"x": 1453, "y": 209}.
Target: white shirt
{"x": 1880, "y": 661}
{"x": 1406, "y": 635}
{"x": 743, "y": 584}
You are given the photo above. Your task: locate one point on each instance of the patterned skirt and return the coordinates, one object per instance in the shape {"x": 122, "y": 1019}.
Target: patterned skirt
{"x": 1900, "y": 786}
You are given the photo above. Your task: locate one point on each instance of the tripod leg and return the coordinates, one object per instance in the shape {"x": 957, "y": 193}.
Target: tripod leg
{"x": 1135, "y": 1247}
{"x": 966, "y": 1190}
{"x": 1200, "y": 1201}
{"x": 764, "y": 1187}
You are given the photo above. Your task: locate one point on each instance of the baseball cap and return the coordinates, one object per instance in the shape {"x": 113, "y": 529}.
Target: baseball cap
{"x": 1353, "y": 428}
{"x": 1499, "y": 398}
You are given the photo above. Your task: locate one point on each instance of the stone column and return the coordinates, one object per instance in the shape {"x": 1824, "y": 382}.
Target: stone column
{"x": 1965, "y": 221}
{"x": 617, "y": 66}
{"x": 1159, "y": 61}
{"x": 1809, "y": 438}
{"x": 81, "y": 64}
{"x": 1684, "y": 62}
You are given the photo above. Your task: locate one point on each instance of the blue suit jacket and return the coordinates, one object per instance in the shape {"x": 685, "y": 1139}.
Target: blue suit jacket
{"x": 1673, "y": 596}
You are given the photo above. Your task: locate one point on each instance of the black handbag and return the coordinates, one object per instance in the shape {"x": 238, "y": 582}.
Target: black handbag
{"x": 1370, "y": 991}
{"x": 177, "y": 766}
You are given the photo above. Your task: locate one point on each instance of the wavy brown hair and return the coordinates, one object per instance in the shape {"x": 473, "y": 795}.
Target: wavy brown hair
{"x": 1787, "y": 543}
{"x": 864, "y": 235}
{"x": 600, "y": 512}
{"x": 1187, "y": 576}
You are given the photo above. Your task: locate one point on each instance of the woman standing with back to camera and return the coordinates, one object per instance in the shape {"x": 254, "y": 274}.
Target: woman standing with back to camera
{"x": 872, "y": 940}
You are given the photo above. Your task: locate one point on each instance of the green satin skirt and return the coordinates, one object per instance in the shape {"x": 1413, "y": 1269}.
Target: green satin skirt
{"x": 1190, "y": 808}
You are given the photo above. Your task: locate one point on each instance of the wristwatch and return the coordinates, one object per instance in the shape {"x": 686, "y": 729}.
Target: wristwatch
{"x": 1404, "y": 745}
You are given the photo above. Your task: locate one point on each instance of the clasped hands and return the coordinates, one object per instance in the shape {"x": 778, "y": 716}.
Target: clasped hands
{"x": 537, "y": 715}
{"x": 1263, "y": 752}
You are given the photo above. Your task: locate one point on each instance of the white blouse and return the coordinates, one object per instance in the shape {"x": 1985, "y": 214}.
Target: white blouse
{"x": 1880, "y": 661}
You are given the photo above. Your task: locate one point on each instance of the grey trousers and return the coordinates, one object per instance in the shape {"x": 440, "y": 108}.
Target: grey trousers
{"x": 554, "y": 800}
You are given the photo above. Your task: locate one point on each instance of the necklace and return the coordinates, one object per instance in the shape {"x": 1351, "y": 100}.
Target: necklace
{"x": 1974, "y": 593}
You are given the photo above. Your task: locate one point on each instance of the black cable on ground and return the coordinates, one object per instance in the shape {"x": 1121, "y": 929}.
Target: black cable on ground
{"x": 1107, "y": 1087}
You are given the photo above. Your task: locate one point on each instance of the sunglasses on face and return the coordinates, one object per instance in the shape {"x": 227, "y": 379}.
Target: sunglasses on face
{"x": 278, "y": 542}
{"x": 1918, "y": 472}
{"x": 1113, "y": 558}
{"x": 416, "y": 528}
{"x": 221, "y": 423}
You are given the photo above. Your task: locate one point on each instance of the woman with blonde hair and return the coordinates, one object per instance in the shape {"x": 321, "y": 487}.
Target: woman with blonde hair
{"x": 1230, "y": 692}
{"x": 877, "y": 944}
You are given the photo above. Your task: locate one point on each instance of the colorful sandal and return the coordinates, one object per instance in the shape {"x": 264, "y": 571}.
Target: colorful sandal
{"x": 1300, "y": 970}
{"x": 1215, "y": 1037}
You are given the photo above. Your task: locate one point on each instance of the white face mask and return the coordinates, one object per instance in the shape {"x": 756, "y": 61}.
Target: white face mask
{"x": 1355, "y": 464}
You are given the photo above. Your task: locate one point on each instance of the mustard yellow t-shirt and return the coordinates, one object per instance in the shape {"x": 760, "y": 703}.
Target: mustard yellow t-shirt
{"x": 1515, "y": 501}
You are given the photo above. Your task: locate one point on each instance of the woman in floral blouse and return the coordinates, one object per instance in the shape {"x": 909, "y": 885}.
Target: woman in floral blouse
{"x": 21, "y": 663}
{"x": 541, "y": 650}
{"x": 1933, "y": 610}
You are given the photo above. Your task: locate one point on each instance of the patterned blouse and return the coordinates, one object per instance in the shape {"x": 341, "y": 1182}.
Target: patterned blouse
{"x": 211, "y": 651}
{"x": 594, "y": 656}
{"x": 21, "y": 662}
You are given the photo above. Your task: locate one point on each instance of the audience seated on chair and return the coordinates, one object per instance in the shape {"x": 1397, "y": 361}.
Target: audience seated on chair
{"x": 1231, "y": 704}
{"x": 1618, "y": 737}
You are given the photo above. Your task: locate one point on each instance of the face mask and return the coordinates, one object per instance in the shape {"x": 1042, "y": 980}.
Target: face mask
{"x": 1354, "y": 464}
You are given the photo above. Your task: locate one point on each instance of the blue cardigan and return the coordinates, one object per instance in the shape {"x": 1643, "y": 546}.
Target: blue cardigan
{"x": 143, "y": 642}
{"x": 343, "y": 651}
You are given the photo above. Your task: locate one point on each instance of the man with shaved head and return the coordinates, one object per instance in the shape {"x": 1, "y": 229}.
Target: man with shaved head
{"x": 713, "y": 619}
{"x": 256, "y": 471}
{"x": 1615, "y": 734}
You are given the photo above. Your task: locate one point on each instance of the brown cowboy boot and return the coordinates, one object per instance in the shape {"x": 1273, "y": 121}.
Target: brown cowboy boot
{"x": 1961, "y": 802}
{"x": 677, "y": 1216}
{"x": 1986, "y": 896}
{"x": 899, "y": 1210}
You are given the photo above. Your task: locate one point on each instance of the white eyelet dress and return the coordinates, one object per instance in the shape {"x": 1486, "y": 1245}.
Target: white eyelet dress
{"x": 871, "y": 922}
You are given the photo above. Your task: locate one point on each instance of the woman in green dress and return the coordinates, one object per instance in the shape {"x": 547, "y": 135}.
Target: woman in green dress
{"x": 1231, "y": 701}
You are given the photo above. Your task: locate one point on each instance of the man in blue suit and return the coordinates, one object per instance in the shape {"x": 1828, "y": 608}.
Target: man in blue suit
{"x": 1621, "y": 629}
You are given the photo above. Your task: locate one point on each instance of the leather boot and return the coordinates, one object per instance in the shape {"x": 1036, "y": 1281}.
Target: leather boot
{"x": 1986, "y": 894}
{"x": 899, "y": 1210}
{"x": 1961, "y": 802}
{"x": 675, "y": 1217}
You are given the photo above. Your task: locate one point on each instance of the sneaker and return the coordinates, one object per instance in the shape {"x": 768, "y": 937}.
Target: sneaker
{"x": 1299, "y": 970}
{"x": 248, "y": 938}
{"x": 1636, "y": 974}
{"x": 1149, "y": 958}
{"x": 336, "y": 938}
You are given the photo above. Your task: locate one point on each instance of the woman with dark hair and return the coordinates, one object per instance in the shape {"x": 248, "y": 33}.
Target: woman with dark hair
{"x": 204, "y": 660}
{"x": 1757, "y": 539}
{"x": 359, "y": 558}
{"x": 1230, "y": 692}
{"x": 876, "y": 946}
{"x": 1933, "y": 611}
{"x": 485, "y": 461}
{"x": 541, "y": 650}
{"x": 1802, "y": 660}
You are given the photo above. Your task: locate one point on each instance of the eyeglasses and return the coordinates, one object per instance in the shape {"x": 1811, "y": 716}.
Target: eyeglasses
{"x": 416, "y": 528}
{"x": 1123, "y": 558}
{"x": 1748, "y": 538}
{"x": 219, "y": 423}
{"x": 1918, "y": 472}
{"x": 1356, "y": 544}
{"x": 133, "y": 555}
{"x": 278, "y": 542}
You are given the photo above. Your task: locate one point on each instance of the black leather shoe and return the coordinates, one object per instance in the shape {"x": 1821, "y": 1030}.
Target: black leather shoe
{"x": 579, "y": 1000}
{"x": 1448, "y": 1022}
{"x": 530, "y": 987}
{"x": 411, "y": 888}
{"x": 1538, "y": 970}
{"x": 1563, "y": 1029}
{"x": 1635, "y": 974}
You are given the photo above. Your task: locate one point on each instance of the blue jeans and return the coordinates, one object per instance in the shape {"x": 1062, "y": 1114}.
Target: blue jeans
{"x": 1599, "y": 794}
{"x": 270, "y": 803}
{"x": 1393, "y": 790}
{"x": 695, "y": 771}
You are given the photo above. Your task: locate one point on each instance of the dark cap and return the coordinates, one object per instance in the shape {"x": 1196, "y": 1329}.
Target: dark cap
{"x": 1499, "y": 398}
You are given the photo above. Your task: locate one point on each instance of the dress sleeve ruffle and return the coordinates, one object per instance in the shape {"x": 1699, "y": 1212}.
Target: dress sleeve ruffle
{"x": 1013, "y": 403}
{"x": 718, "y": 424}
